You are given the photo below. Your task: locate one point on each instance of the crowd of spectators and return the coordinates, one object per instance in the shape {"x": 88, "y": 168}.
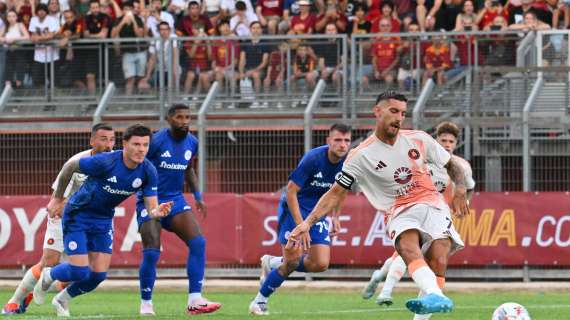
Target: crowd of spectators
{"x": 148, "y": 28}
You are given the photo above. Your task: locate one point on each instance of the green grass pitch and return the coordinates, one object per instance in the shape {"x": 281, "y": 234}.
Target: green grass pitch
{"x": 170, "y": 304}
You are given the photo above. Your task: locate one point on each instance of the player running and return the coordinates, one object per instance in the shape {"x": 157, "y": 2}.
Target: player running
{"x": 171, "y": 151}
{"x": 390, "y": 168}
{"x": 88, "y": 215}
{"x": 314, "y": 175}
{"x": 102, "y": 140}
{"x": 447, "y": 134}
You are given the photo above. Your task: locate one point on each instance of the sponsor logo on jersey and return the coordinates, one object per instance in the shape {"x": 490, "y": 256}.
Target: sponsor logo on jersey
{"x": 318, "y": 175}
{"x": 166, "y": 154}
{"x": 414, "y": 154}
{"x": 381, "y": 165}
{"x": 403, "y": 175}
{"x": 112, "y": 179}
{"x": 137, "y": 183}
{"x": 440, "y": 186}
{"x": 173, "y": 166}
{"x": 320, "y": 184}
{"x": 187, "y": 155}
{"x": 144, "y": 213}
{"x": 116, "y": 191}
{"x": 72, "y": 245}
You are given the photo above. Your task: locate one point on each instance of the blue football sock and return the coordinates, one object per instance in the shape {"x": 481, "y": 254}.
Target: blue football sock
{"x": 147, "y": 272}
{"x": 272, "y": 282}
{"x": 196, "y": 263}
{"x": 86, "y": 285}
{"x": 301, "y": 266}
{"x": 66, "y": 272}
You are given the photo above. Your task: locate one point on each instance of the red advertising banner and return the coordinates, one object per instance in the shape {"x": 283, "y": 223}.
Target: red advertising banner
{"x": 503, "y": 228}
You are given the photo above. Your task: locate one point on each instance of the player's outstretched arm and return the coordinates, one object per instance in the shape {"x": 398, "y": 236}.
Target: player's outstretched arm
{"x": 57, "y": 201}
{"x": 459, "y": 204}
{"x": 328, "y": 202}
{"x": 192, "y": 181}
{"x": 154, "y": 209}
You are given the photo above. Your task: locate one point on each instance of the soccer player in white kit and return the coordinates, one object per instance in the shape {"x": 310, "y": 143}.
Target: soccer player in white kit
{"x": 447, "y": 134}
{"x": 390, "y": 168}
{"x": 102, "y": 140}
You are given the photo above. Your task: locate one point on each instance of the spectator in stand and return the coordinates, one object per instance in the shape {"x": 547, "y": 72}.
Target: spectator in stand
{"x": 194, "y": 23}
{"x": 166, "y": 49}
{"x": 465, "y": 48}
{"x": 242, "y": 19}
{"x": 304, "y": 68}
{"x": 517, "y": 14}
{"x": 199, "y": 64}
{"x": 43, "y": 28}
{"x": 269, "y": 13}
{"x": 228, "y": 8}
{"x": 71, "y": 65}
{"x": 409, "y": 69}
{"x": 53, "y": 11}
{"x": 133, "y": 54}
{"x": 467, "y": 13}
{"x": 212, "y": 9}
{"x": 359, "y": 23}
{"x": 330, "y": 58}
{"x": 276, "y": 69}
{"x": 155, "y": 16}
{"x": 446, "y": 16}
{"x": 492, "y": 9}
{"x": 437, "y": 60}
{"x": 177, "y": 8}
{"x": 96, "y": 26}
{"x": 385, "y": 57}
{"x": 254, "y": 57}
{"x": 502, "y": 50}
{"x": 406, "y": 11}
{"x": 389, "y": 14}
{"x": 556, "y": 10}
{"x": 350, "y": 8}
{"x": 332, "y": 15}
{"x": 530, "y": 23}
{"x": 304, "y": 23}
{"x": 14, "y": 32}
{"x": 225, "y": 53}
{"x": 24, "y": 10}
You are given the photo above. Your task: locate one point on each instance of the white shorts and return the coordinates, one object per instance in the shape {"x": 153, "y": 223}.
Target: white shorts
{"x": 53, "y": 238}
{"x": 431, "y": 222}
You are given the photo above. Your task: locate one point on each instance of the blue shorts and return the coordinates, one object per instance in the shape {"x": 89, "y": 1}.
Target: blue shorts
{"x": 319, "y": 232}
{"x": 81, "y": 237}
{"x": 179, "y": 206}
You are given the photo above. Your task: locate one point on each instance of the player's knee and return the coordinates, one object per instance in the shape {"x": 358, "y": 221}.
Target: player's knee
{"x": 197, "y": 245}
{"x": 321, "y": 266}
{"x": 78, "y": 273}
{"x": 438, "y": 264}
{"x": 289, "y": 266}
{"x": 49, "y": 260}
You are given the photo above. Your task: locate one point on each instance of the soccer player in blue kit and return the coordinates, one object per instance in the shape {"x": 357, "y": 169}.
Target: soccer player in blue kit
{"x": 171, "y": 151}
{"x": 314, "y": 176}
{"x": 88, "y": 215}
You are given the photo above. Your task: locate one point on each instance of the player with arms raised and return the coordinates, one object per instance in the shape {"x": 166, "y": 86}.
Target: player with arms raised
{"x": 314, "y": 176}
{"x": 447, "y": 134}
{"x": 102, "y": 140}
{"x": 171, "y": 151}
{"x": 390, "y": 167}
{"x": 88, "y": 215}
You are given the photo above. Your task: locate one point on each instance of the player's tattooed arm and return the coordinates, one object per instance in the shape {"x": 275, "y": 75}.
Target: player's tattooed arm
{"x": 459, "y": 204}
{"x": 330, "y": 201}
{"x": 65, "y": 175}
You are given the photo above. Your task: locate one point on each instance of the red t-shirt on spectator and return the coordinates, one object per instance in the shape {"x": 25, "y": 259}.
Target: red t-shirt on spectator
{"x": 465, "y": 45}
{"x": 94, "y": 24}
{"x": 188, "y": 25}
{"x": 222, "y": 52}
{"x": 307, "y": 23}
{"x": 341, "y": 17}
{"x": 376, "y": 25}
{"x": 437, "y": 57}
{"x": 277, "y": 62}
{"x": 200, "y": 59}
{"x": 385, "y": 52}
{"x": 374, "y": 11}
{"x": 489, "y": 16}
{"x": 271, "y": 7}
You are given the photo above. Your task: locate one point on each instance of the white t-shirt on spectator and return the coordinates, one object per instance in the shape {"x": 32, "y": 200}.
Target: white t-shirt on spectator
{"x": 43, "y": 53}
{"x": 2, "y": 25}
{"x": 242, "y": 29}
{"x": 231, "y": 6}
{"x": 152, "y": 23}
{"x": 166, "y": 47}
{"x": 212, "y": 5}
{"x": 180, "y": 3}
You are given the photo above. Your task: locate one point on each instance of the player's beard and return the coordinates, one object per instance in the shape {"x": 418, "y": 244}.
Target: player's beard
{"x": 180, "y": 132}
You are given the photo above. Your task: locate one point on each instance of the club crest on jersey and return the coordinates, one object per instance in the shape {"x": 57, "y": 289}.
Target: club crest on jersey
{"x": 187, "y": 155}
{"x": 137, "y": 183}
{"x": 414, "y": 154}
{"x": 72, "y": 245}
{"x": 403, "y": 175}
{"x": 50, "y": 241}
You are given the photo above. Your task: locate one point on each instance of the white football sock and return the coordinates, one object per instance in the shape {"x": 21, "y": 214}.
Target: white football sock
{"x": 261, "y": 298}
{"x": 26, "y": 286}
{"x": 193, "y": 297}
{"x": 275, "y": 262}
{"x": 63, "y": 296}
{"x": 424, "y": 277}
{"x": 381, "y": 275}
{"x": 395, "y": 273}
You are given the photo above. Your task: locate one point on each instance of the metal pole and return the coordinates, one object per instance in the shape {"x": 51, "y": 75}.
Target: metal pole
{"x": 202, "y": 156}
{"x": 6, "y": 94}
{"x": 344, "y": 76}
{"x": 308, "y": 114}
{"x": 421, "y": 102}
{"x": 161, "y": 97}
{"x": 526, "y": 133}
{"x": 102, "y": 106}
{"x": 353, "y": 77}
